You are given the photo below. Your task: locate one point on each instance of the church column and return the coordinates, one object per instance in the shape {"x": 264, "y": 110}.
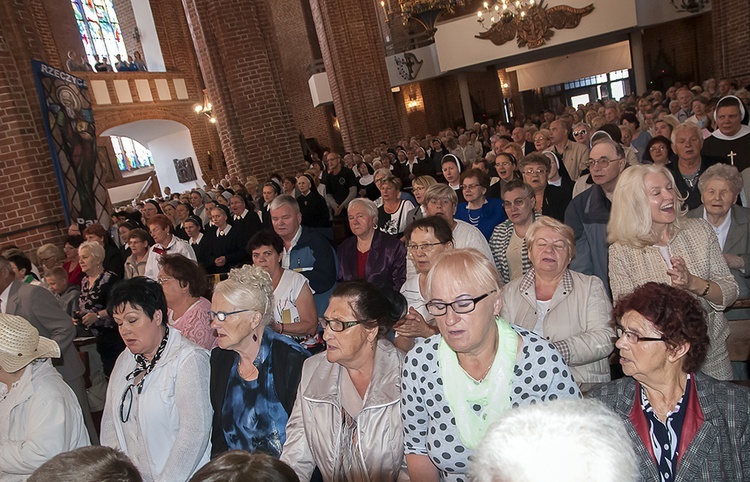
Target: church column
{"x": 463, "y": 90}
{"x": 354, "y": 58}
{"x": 639, "y": 65}
{"x": 240, "y": 63}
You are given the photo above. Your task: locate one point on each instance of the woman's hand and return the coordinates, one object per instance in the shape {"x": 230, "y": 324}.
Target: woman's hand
{"x": 734, "y": 261}
{"x": 413, "y": 325}
{"x": 89, "y": 319}
{"x": 220, "y": 261}
{"x": 681, "y": 277}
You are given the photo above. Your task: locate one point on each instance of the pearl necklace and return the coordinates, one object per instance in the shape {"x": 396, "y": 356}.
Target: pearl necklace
{"x": 472, "y": 219}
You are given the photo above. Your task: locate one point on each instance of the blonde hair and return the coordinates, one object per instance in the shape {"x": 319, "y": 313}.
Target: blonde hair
{"x": 562, "y": 229}
{"x": 466, "y": 268}
{"x": 249, "y": 288}
{"x": 50, "y": 249}
{"x": 630, "y": 222}
{"x": 95, "y": 249}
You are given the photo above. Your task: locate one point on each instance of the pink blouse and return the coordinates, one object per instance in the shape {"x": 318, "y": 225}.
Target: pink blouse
{"x": 195, "y": 325}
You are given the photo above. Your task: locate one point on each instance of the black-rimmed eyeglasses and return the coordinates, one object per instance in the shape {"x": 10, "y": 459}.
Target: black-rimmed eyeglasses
{"x": 336, "y": 325}
{"x": 126, "y": 403}
{"x": 632, "y": 337}
{"x": 221, "y": 315}
{"x": 461, "y": 306}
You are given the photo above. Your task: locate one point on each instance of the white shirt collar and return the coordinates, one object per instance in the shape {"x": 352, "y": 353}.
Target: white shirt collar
{"x": 224, "y": 232}
{"x": 242, "y": 216}
{"x": 722, "y": 229}
{"x": 200, "y": 237}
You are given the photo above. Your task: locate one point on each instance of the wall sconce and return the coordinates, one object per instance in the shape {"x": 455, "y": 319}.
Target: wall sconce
{"x": 206, "y": 108}
{"x": 412, "y": 104}
{"x": 137, "y": 34}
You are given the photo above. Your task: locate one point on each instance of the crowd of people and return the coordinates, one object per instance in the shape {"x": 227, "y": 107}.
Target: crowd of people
{"x": 408, "y": 312}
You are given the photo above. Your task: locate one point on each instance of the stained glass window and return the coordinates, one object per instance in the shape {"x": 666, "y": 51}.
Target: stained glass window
{"x": 99, "y": 29}
{"x": 131, "y": 154}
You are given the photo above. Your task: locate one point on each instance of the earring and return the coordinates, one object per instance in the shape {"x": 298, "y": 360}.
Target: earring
{"x": 255, "y": 337}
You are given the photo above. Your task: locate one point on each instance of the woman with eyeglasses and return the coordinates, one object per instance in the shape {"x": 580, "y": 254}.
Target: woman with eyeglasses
{"x": 542, "y": 140}
{"x": 478, "y": 210}
{"x": 426, "y": 238}
{"x": 184, "y": 283}
{"x": 550, "y": 200}
{"x": 581, "y": 133}
{"x": 659, "y": 151}
{"x": 508, "y": 240}
{"x": 459, "y": 382}
{"x": 347, "y": 417}
{"x": 683, "y": 424}
{"x": 652, "y": 240}
{"x": 571, "y": 310}
{"x": 158, "y": 410}
{"x": 294, "y": 312}
{"x": 254, "y": 370}
{"x": 418, "y": 187}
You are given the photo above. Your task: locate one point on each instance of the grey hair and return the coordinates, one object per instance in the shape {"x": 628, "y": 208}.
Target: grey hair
{"x": 687, "y": 126}
{"x": 577, "y": 439}
{"x": 723, "y": 172}
{"x": 249, "y": 288}
{"x": 366, "y": 204}
{"x": 95, "y": 249}
{"x": 284, "y": 200}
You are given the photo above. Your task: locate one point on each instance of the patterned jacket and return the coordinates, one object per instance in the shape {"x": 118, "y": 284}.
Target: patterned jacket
{"x": 499, "y": 242}
{"x": 720, "y": 448}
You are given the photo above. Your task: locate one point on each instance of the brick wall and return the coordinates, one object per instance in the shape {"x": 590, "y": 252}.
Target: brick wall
{"x": 31, "y": 211}
{"x": 296, "y": 53}
{"x": 686, "y": 43}
{"x": 354, "y": 58}
{"x": 243, "y": 75}
{"x": 731, "y": 46}
{"x": 126, "y": 18}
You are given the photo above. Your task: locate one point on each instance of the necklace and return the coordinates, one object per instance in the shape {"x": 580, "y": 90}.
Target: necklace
{"x": 487, "y": 372}
{"x": 474, "y": 220}
{"x": 246, "y": 376}
{"x": 691, "y": 180}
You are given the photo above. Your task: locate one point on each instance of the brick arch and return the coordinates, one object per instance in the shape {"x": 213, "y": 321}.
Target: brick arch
{"x": 204, "y": 135}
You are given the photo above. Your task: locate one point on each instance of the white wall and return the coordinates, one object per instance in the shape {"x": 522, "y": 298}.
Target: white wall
{"x": 169, "y": 147}
{"x": 149, "y": 40}
{"x": 457, "y": 47}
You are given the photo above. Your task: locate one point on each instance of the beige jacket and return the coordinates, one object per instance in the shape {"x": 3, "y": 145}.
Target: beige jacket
{"x": 696, "y": 243}
{"x": 578, "y": 321}
{"x": 312, "y": 433}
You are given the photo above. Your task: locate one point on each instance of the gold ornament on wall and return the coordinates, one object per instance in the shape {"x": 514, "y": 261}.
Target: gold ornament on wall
{"x": 530, "y": 23}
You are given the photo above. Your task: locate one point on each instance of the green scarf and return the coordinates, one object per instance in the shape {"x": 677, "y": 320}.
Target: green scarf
{"x": 492, "y": 393}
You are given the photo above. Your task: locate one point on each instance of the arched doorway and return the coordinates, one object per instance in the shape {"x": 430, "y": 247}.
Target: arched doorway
{"x": 168, "y": 141}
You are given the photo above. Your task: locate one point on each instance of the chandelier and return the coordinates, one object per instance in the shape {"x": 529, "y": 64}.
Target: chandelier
{"x": 504, "y": 11}
{"x": 206, "y": 108}
{"x": 426, "y": 12}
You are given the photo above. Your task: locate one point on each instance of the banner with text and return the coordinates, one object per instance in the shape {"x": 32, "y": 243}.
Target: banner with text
{"x": 71, "y": 133}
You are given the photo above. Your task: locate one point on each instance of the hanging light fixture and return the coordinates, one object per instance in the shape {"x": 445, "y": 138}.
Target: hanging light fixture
{"x": 206, "y": 108}
{"x": 504, "y": 11}
{"x": 426, "y": 12}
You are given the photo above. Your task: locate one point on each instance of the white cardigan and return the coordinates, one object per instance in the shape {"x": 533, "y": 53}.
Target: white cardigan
{"x": 174, "y": 411}
{"x": 42, "y": 419}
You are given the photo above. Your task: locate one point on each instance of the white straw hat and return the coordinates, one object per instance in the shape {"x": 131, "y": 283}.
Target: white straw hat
{"x": 20, "y": 344}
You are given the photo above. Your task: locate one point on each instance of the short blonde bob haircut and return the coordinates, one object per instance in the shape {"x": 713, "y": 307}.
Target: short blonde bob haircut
{"x": 630, "y": 221}
{"x": 93, "y": 248}
{"x": 565, "y": 231}
{"x": 249, "y": 288}
{"x": 466, "y": 269}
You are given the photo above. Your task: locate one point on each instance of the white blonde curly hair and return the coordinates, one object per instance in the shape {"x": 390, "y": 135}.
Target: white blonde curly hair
{"x": 249, "y": 288}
